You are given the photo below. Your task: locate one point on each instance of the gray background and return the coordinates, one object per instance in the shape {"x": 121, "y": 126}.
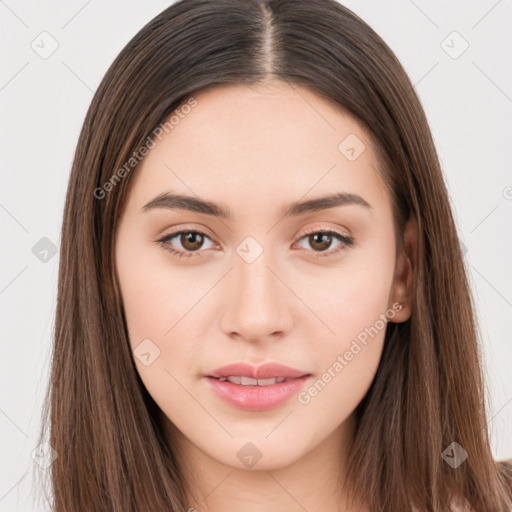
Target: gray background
{"x": 468, "y": 100}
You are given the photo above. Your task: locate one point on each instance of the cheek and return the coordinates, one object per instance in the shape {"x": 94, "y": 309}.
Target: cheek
{"x": 157, "y": 302}
{"x": 167, "y": 310}
{"x": 350, "y": 298}
{"x": 346, "y": 362}
{"x": 353, "y": 303}
{"x": 155, "y": 296}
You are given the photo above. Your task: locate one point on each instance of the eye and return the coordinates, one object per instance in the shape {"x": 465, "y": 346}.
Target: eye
{"x": 322, "y": 240}
{"x": 192, "y": 240}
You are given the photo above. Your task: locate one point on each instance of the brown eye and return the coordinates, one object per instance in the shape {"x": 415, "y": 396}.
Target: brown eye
{"x": 321, "y": 240}
{"x": 190, "y": 242}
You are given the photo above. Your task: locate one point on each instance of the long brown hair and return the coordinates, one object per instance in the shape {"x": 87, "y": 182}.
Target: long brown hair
{"x": 428, "y": 391}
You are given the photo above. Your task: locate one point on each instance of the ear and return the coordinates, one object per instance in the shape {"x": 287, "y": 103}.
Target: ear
{"x": 402, "y": 289}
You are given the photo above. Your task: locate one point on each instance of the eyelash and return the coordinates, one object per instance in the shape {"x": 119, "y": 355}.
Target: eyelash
{"x": 346, "y": 242}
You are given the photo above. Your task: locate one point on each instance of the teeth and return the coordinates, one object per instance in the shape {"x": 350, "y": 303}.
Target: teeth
{"x": 248, "y": 381}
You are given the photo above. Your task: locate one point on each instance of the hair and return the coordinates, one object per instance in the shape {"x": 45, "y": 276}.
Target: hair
{"x": 429, "y": 389}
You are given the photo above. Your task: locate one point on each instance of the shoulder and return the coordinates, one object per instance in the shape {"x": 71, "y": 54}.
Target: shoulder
{"x": 460, "y": 504}
{"x": 457, "y": 504}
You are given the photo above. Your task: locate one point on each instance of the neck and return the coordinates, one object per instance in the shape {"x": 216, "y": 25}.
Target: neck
{"x": 312, "y": 482}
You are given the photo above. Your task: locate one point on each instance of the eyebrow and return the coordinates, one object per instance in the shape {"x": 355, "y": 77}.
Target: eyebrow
{"x": 193, "y": 204}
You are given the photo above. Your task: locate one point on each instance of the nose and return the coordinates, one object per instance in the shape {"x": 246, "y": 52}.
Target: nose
{"x": 258, "y": 302}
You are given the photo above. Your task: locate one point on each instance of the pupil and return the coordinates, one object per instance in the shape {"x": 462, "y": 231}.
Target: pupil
{"x": 191, "y": 243}
{"x": 321, "y": 238}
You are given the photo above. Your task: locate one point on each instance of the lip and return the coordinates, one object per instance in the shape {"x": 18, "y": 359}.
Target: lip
{"x": 257, "y": 398}
{"x": 264, "y": 371}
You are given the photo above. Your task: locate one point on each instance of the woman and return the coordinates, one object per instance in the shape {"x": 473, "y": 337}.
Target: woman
{"x": 253, "y": 308}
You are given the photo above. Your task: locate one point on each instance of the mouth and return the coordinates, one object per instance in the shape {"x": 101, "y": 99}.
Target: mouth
{"x": 242, "y": 380}
{"x": 253, "y": 394}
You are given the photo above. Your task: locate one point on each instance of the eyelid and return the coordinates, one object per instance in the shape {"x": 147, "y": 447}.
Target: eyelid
{"x": 187, "y": 229}
{"x": 164, "y": 239}
{"x": 325, "y": 229}
{"x": 346, "y": 240}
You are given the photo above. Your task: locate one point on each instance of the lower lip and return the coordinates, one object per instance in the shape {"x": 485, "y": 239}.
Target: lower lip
{"x": 256, "y": 398}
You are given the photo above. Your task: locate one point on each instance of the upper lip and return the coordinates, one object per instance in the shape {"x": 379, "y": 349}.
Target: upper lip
{"x": 263, "y": 371}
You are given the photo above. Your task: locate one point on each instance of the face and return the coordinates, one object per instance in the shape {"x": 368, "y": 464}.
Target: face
{"x": 268, "y": 282}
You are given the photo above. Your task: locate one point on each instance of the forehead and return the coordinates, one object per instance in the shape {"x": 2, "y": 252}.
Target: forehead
{"x": 271, "y": 139}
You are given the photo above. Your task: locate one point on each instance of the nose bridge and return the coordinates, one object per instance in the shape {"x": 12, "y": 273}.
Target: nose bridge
{"x": 254, "y": 280}
{"x": 257, "y": 302}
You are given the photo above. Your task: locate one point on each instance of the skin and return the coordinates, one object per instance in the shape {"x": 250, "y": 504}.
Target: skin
{"x": 257, "y": 150}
